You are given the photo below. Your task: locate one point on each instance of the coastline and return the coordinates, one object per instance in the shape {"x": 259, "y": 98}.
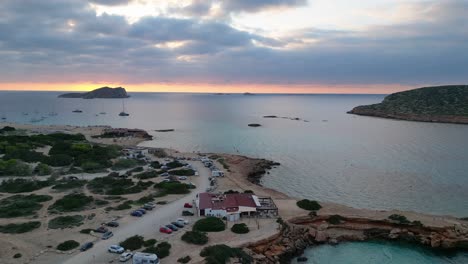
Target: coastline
{"x": 244, "y": 173}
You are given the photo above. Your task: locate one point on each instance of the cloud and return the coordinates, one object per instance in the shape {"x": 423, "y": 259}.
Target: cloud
{"x": 257, "y": 5}
{"x": 110, "y": 2}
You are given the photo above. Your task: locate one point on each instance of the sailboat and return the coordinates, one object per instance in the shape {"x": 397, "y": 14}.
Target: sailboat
{"x": 123, "y": 110}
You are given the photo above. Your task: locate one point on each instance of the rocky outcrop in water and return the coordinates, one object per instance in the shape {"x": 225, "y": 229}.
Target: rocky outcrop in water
{"x": 104, "y": 92}
{"x": 260, "y": 169}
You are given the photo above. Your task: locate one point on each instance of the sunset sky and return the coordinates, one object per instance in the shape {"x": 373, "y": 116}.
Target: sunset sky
{"x": 264, "y": 46}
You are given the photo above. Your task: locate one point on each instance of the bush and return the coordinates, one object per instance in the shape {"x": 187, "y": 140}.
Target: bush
{"x": 68, "y": 245}
{"x": 123, "y": 206}
{"x": 150, "y": 242}
{"x": 145, "y": 199}
{"x": 195, "y": 237}
{"x": 67, "y": 185}
{"x": 240, "y": 228}
{"x": 86, "y": 231}
{"x": 155, "y": 164}
{"x": 185, "y": 259}
{"x": 146, "y": 175}
{"x": 14, "y": 167}
{"x": 417, "y": 223}
{"x": 22, "y": 185}
{"x": 71, "y": 202}
{"x": 43, "y": 169}
{"x": 115, "y": 186}
{"x": 309, "y": 205}
{"x": 22, "y": 205}
{"x": 209, "y": 224}
{"x": 124, "y": 164}
{"x": 19, "y": 228}
{"x": 174, "y": 164}
{"x": 17, "y": 255}
{"x": 61, "y": 222}
{"x": 162, "y": 250}
{"x": 335, "y": 219}
{"x": 132, "y": 243}
{"x": 173, "y": 187}
{"x": 91, "y": 166}
{"x": 220, "y": 254}
{"x": 399, "y": 218}
{"x": 183, "y": 172}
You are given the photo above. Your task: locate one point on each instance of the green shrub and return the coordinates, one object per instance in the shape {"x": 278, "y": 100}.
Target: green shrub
{"x": 124, "y": 164}
{"x": 101, "y": 202}
{"x": 195, "y": 237}
{"x": 22, "y": 205}
{"x": 86, "y": 231}
{"x": 71, "y": 202}
{"x": 240, "y": 228}
{"x": 124, "y": 206}
{"x": 68, "y": 184}
{"x": 417, "y": 223}
{"x": 223, "y": 162}
{"x": 162, "y": 250}
{"x": 116, "y": 186}
{"x": 174, "y": 164}
{"x": 309, "y": 205}
{"x": 19, "y": 228}
{"x": 68, "y": 245}
{"x": 155, "y": 164}
{"x": 335, "y": 219}
{"x": 146, "y": 175}
{"x": 61, "y": 222}
{"x": 145, "y": 199}
{"x": 91, "y": 166}
{"x": 17, "y": 255}
{"x": 185, "y": 259}
{"x": 133, "y": 243}
{"x": 149, "y": 242}
{"x": 14, "y": 167}
{"x": 399, "y": 218}
{"x": 220, "y": 254}
{"x": 173, "y": 187}
{"x": 22, "y": 185}
{"x": 209, "y": 224}
{"x": 43, "y": 169}
{"x": 183, "y": 172}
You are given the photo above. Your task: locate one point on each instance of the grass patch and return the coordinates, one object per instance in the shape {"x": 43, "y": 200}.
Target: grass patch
{"x": 221, "y": 254}
{"x": 71, "y": 203}
{"x": 309, "y": 205}
{"x": 22, "y": 205}
{"x": 22, "y": 185}
{"x": 209, "y": 224}
{"x": 68, "y": 245}
{"x": 19, "y": 228}
{"x": 240, "y": 228}
{"x": 195, "y": 237}
{"x": 133, "y": 243}
{"x": 61, "y": 222}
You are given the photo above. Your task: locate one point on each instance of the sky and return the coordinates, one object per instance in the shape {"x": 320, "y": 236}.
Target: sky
{"x": 260, "y": 46}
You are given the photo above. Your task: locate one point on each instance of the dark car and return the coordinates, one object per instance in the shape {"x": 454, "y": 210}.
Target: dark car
{"x": 112, "y": 224}
{"x": 86, "y": 246}
{"x": 141, "y": 210}
{"x": 101, "y": 229}
{"x": 136, "y": 213}
{"x": 179, "y": 225}
{"x": 187, "y": 213}
{"x": 172, "y": 227}
{"x": 148, "y": 207}
{"x": 187, "y": 205}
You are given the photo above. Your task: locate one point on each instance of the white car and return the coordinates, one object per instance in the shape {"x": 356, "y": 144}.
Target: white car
{"x": 182, "y": 178}
{"x": 116, "y": 249}
{"x": 125, "y": 256}
{"x": 182, "y": 221}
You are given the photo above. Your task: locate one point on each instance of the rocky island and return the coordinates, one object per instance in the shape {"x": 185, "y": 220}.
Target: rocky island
{"x": 103, "y": 92}
{"x": 442, "y": 104}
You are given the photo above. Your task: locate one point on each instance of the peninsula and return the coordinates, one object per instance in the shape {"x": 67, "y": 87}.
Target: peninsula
{"x": 103, "y": 92}
{"x": 442, "y": 104}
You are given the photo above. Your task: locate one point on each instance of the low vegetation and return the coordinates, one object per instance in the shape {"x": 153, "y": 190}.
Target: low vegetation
{"x": 173, "y": 187}
{"x": 185, "y": 259}
{"x": 149, "y": 242}
{"x": 124, "y": 164}
{"x": 71, "y": 202}
{"x": 19, "y": 228}
{"x": 209, "y": 224}
{"x": 17, "y": 255}
{"x": 146, "y": 175}
{"x": 195, "y": 237}
{"x": 221, "y": 254}
{"x": 61, "y": 222}
{"x": 68, "y": 245}
{"x": 183, "y": 172}
{"x": 22, "y": 205}
{"x": 174, "y": 164}
{"x": 69, "y": 184}
{"x": 159, "y": 153}
{"x": 133, "y": 243}
{"x": 42, "y": 169}
{"x": 223, "y": 162}
{"x": 309, "y": 205}
{"x": 401, "y": 219}
{"x": 335, "y": 219}
{"x": 14, "y": 167}
{"x": 123, "y": 206}
{"x": 22, "y": 185}
{"x": 162, "y": 250}
{"x": 116, "y": 186}
{"x": 240, "y": 228}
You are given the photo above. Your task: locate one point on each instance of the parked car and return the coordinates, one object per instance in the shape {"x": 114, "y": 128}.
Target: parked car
{"x": 166, "y": 180}
{"x": 101, "y": 229}
{"x": 148, "y": 207}
{"x": 107, "y": 235}
{"x": 187, "y": 213}
{"x": 166, "y": 230}
{"x": 112, "y": 224}
{"x": 86, "y": 246}
{"x": 172, "y": 227}
{"x": 136, "y": 213}
{"x": 183, "y": 221}
{"x": 125, "y": 256}
{"x": 115, "y": 249}
{"x": 182, "y": 178}
{"x": 143, "y": 211}
{"x": 177, "y": 224}
{"x": 187, "y": 205}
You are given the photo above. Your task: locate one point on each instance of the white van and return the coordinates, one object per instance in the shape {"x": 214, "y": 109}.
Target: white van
{"x": 145, "y": 258}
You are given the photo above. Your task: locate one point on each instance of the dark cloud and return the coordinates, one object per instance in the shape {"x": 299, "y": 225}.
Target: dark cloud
{"x": 110, "y": 2}
{"x": 65, "y": 41}
{"x": 256, "y": 5}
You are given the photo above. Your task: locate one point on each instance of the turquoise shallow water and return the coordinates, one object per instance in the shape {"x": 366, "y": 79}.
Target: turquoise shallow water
{"x": 379, "y": 253}
{"x": 359, "y": 161}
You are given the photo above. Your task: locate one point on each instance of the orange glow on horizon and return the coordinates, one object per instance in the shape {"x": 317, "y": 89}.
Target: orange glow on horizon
{"x": 211, "y": 88}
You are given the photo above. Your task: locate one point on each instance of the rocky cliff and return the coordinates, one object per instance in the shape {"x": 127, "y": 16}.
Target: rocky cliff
{"x": 103, "y": 92}
{"x": 442, "y": 104}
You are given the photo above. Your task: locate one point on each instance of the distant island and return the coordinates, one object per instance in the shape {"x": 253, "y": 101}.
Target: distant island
{"x": 103, "y": 92}
{"x": 442, "y": 104}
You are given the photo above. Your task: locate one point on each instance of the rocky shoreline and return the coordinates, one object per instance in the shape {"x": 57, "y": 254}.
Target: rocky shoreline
{"x": 364, "y": 111}
{"x": 297, "y": 234}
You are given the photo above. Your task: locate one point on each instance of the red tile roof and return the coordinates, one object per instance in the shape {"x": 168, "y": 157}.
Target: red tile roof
{"x": 229, "y": 202}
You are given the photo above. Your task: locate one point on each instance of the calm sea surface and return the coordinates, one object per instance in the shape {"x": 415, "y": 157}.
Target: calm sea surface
{"x": 358, "y": 161}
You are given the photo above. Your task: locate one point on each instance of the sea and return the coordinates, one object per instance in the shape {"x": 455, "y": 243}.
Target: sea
{"x": 325, "y": 153}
